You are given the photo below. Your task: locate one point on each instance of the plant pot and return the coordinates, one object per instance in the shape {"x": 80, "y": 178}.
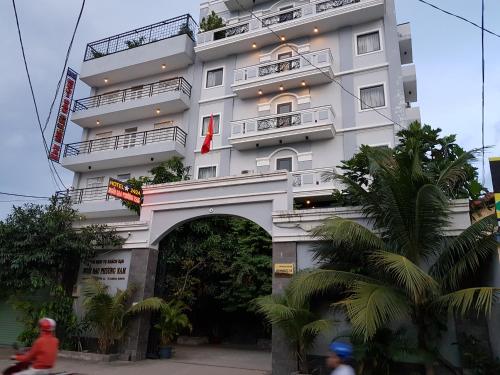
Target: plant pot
{"x": 165, "y": 352}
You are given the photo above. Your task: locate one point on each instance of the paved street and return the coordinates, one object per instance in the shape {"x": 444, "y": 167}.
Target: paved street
{"x": 188, "y": 361}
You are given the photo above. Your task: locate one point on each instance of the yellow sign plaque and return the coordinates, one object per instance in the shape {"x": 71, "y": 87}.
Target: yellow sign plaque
{"x": 284, "y": 269}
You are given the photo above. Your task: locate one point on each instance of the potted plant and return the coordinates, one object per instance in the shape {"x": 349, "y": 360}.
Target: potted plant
{"x": 300, "y": 325}
{"x": 211, "y": 22}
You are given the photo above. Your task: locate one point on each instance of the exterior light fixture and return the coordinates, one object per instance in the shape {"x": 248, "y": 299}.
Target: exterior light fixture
{"x": 308, "y": 202}
{"x": 260, "y": 92}
{"x": 316, "y": 30}
{"x": 98, "y": 122}
{"x": 157, "y": 111}
{"x": 163, "y": 66}
{"x": 105, "y": 80}
{"x": 281, "y": 88}
{"x": 282, "y": 38}
{"x": 303, "y": 83}
{"x": 254, "y": 45}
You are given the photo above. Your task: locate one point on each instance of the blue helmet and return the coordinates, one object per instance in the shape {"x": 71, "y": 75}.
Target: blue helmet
{"x": 341, "y": 349}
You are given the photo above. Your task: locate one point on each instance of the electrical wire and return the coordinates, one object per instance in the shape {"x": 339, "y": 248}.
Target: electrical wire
{"x": 64, "y": 66}
{"x": 318, "y": 68}
{"x": 482, "y": 88}
{"x": 24, "y": 195}
{"x": 460, "y": 18}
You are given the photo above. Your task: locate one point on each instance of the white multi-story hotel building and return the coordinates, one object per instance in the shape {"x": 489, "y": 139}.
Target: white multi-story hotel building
{"x": 294, "y": 88}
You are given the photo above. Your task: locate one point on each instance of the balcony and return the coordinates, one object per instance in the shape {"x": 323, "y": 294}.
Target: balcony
{"x": 312, "y": 182}
{"x": 94, "y": 202}
{"x": 326, "y": 15}
{"x": 405, "y": 45}
{"x": 291, "y": 72}
{"x": 306, "y": 125}
{"x": 409, "y": 82}
{"x": 134, "y": 103}
{"x": 125, "y": 150}
{"x": 140, "y": 53}
{"x": 234, "y": 5}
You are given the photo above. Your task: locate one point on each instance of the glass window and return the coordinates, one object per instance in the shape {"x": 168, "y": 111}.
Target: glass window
{"x": 368, "y": 42}
{"x": 206, "y": 120}
{"x": 284, "y": 55}
{"x": 372, "y": 97}
{"x": 130, "y": 138}
{"x": 284, "y": 164}
{"x": 207, "y": 172}
{"x": 123, "y": 177}
{"x": 284, "y": 108}
{"x": 214, "y": 77}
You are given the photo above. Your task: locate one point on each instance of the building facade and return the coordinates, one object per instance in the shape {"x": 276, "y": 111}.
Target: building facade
{"x": 293, "y": 88}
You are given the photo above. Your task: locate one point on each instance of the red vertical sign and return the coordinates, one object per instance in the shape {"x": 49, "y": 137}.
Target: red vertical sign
{"x": 62, "y": 116}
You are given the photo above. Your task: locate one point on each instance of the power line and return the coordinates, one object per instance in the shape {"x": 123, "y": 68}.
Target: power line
{"x": 52, "y": 169}
{"x": 23, "y": 195}
{"x": 318, "y": 68}
{"x": 64, "y": 66}
{"x": 482, "y": 85}
{"x": 21, "y": 200}
{"x": 460, "y": 17}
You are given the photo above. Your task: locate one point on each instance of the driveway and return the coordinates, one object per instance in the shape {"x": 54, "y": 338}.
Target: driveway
{"x": 188, "y": 361}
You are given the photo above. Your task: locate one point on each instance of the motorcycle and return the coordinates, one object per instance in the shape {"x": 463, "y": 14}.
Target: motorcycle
{"x": 21, "y": 366}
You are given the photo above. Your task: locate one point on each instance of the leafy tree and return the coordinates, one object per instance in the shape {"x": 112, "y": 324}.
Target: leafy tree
{"x": 171, "y": 170}
{"x": 135, "y": 42}
{"x": 299, "y": 324}
{"x": 212, "y": 22}
{"x": 436, "y": 154}
{"x": 40, "y": 248}
{"x": 410, "y": 270}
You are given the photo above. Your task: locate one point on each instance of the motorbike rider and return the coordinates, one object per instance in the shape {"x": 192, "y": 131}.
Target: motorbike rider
{"x": 43, "y": 353}
{"x": 340, "y": 353}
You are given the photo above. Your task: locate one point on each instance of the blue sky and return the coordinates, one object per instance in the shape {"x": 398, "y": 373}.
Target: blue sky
{"x": 447, "y": 53}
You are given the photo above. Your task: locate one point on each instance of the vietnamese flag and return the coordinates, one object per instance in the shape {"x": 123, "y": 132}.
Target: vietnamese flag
{"x": 208, "y": 137}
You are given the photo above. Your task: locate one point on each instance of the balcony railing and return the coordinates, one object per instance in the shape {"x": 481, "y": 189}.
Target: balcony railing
{"x": 126, "y": 141}
{"x": 145, "y": 35}
{"x": 303, "y": 11}
{"x": 307, "y": 60}
{"x": 320, "y": 115}
{"x": 133, "y": 93}
{"x": 77, "y": 196}
{"x": 314, "y": 179}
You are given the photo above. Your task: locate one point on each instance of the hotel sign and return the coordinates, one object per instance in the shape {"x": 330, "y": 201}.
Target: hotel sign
{"x": 124, "y": 191}
{"x": 284, "y": 269}
{"x": 62, "y": 116}
{"x": 495, "y": 178}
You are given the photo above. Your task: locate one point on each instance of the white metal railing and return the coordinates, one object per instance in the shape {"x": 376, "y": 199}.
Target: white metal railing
{"x": 304, "y": 11}
{"x": 314, "y": 179}
{"x": 270, "y": 69}
{"x": 313, "y": 116}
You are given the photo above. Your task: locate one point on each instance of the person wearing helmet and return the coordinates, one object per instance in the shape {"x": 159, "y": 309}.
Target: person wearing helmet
{"x": 43, "y": 353}
{"x": 340, "y": 353}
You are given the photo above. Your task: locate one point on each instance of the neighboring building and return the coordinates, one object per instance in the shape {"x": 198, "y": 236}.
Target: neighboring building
{"x": 282, "y": 83}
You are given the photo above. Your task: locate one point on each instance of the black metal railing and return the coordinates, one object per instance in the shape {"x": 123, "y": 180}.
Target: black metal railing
{"x": 126, "y": 141}
{"x": 145, "y": 35}
{"x": 76, "y": 196}
{"x": 278, "y": 67}
{"x": 231, "y": 31}
{"x": 332, "y": 4}
{"x": 133, "y": 93}
{"x": 279, "y": 122}
{"x": 282, "y": 17}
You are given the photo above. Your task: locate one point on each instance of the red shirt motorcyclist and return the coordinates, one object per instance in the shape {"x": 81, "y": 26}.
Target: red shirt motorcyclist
{"x": 43, "y": 353}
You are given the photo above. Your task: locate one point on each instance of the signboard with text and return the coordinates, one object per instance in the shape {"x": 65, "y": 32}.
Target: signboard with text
{"x": 124, "y": 191}
{"x": 495, "y": 178}
{"x": 285, "y": 269}
{"x": 62, "y": 116}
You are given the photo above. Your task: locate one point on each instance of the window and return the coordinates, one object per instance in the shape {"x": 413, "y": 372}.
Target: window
{"x": 123, "y": 177}
{"x": 163, "y": 124}
{"x": 130, "y": 137}
{"x": 207, "y": 172}
{"x": 284, "y": 108}
{"x": 214, "y": 77}
{"x": 368, "y": 42}
{"x": 136, "y": 92}
{"x": 284, "y": 55}
{"x": 103, "y": 141}
{"x": 206, "y": 120}
{"x": 372, "y": 97}
{"x": 94, "y": 188}
{"x": 284, "y": 164}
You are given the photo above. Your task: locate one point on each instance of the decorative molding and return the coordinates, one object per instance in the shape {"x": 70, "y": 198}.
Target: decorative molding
{"x": 262, "y": 162}
{"x": 356, "y": 128}
{"x": 214, "y": 148}
{"x": 361, "y": 70}
{"x": 305, "y": 156}
{"x": 216, "y": 98}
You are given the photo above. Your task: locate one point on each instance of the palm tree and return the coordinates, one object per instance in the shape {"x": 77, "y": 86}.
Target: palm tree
{"x": 299, "y": 324}
{"x": 405, "y": 267}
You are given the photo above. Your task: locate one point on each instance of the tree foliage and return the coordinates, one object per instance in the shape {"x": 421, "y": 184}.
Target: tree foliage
{"x": 405, "y": 268}
{"x": 211, "y": 22}
{"x": 40, "y": 247}
{"x": 171, "y": 170}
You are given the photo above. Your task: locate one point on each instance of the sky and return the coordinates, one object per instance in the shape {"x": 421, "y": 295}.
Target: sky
{"x": 446, "y": 51}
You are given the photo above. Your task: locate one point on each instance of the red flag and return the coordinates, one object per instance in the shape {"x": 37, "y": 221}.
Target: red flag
{"x": 208, "y": 137}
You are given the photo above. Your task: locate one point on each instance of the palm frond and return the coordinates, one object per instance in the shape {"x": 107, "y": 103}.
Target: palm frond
{"x": 372, "y": 306}
{"x": 465, "y": 253}
{"x": 462, "y": 301}
{"x": 92, "y": 287}
{"x": 151, "y": 304}
{"x": 319, "y": 281}
{"x": 407, "y": 274}
{"x": 316, "y": 327}
{"x": 274, "y": 308}
{"x": 455, "y": 171}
